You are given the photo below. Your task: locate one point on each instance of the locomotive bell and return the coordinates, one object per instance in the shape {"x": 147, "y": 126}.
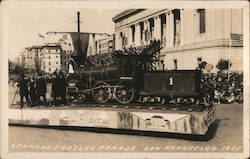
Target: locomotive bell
{"x": 72, "y": 84}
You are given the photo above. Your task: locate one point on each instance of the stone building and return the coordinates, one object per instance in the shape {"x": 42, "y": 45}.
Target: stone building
{"x": 54, "y": 58}
{"x": 105, "y": 45}
{"x": 30, "y": 57}
{"x": 188, "y": 36}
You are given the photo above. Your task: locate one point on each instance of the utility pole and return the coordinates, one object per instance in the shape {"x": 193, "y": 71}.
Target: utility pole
{"x": 78, "y": 21}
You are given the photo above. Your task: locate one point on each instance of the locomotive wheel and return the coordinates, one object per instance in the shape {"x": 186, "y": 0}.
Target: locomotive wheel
{"x": 124, "y": 95}
{"x": 101, "y": 92}
{"x": 81, "y": 98}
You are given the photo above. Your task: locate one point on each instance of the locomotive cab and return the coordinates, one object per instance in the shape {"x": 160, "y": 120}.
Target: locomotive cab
{"x": 127, "y": 68}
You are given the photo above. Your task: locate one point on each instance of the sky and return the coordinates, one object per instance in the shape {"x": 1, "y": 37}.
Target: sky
{"x": 25, "y": 24}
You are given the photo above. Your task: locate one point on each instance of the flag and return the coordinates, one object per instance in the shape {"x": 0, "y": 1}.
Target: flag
{"x": 84, "y": 45}
{"x": 236, "y": 36}
{"x": 41, "y": 36}
{"x": 80, "y": 43}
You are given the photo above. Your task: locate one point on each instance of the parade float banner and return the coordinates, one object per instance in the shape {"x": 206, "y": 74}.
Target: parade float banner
{"x": 189, "y": 123}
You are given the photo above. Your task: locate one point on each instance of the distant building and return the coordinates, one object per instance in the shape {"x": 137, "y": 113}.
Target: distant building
{"x": 105, "y": 45}
{"x": 26, "y": 59}
{"x": 35, "y": 52}
{"x": 51, "y": 58}
{"x": 66, "y": 45}
{"x": 48, "y": 58}
{"x": 54, "y": 58}
{"x": 29, "y": 57}
{"x": 188, "y": 36}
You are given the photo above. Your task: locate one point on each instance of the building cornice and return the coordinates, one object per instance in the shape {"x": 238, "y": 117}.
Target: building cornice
{"x": 225, "y": 43}
{"x": 145, "y": 18}
{"x": 125, "y": 14}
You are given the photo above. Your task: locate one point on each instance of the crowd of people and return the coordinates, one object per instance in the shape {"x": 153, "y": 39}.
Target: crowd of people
{"x": 33, "y": 87}
{"x": 225, "y": 88}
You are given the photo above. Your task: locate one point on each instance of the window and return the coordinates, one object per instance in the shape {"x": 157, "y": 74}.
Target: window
{"x": 123, "y": 39}
{"x": 49, "y": 57}
{"x": 202, "y": 20}
{"x": 49, "y": 69}
{"x": 141, "y": 29}
{"x": 151, "y": 27}
{"x": 133, "y": 33}
{"x": 56, "y": 62}
{"x": 177, "y": 29}
{"x": 49, "y": 63}
{"x": 56, "y": 56}
{"x": 163, "y": 25}
{"x": 175, "y": 64}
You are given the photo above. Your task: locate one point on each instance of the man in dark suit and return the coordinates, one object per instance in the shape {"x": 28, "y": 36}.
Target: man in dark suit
{"x": 62, "y": 85}
{"x": 32, "y": 92}
{"x": 55, "y": 88}
{"x": 24, "y": 92}
{"x": 41, "y": 89}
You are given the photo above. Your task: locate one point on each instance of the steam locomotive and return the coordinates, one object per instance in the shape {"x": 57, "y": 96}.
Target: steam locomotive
{"x": 133, "y": 75}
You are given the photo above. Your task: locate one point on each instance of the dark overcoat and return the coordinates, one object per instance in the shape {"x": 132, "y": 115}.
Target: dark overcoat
{"x": 41, "y": 86}
{"x": 23, "y": 84}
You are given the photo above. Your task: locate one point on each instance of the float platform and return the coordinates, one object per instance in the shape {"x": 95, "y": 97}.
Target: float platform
{"x": 156, "y": 120}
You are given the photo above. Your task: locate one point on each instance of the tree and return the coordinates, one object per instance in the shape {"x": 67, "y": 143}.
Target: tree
{"x": 223, "y": 65}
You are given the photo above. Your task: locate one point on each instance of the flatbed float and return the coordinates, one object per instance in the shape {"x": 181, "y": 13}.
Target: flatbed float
{"x": 116, "y": 117}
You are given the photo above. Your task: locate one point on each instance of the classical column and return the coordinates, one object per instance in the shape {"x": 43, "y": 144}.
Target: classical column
{"x": 146, "y": 30}
{"x": 137, "y": 35}
{"x": 129, "y": 35}
{"x": 157, "y": 28}
{"x": 143, "y": 34}
{"x": 171, "y": 28}
{"x": 182, "y": 26}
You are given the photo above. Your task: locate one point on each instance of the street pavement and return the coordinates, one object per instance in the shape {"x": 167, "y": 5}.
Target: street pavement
{"x": 224, "y": 135}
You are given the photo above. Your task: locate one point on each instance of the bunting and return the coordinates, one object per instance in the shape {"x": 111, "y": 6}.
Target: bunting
{"x": 84, "y": 45}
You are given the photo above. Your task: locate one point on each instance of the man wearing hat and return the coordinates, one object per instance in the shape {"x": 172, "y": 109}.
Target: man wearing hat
{"x": 24, "y": 92}
{"x": 41, "y": 89}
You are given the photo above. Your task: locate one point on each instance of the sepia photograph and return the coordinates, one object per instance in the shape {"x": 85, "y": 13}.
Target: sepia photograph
{"x": 123, "y": 79}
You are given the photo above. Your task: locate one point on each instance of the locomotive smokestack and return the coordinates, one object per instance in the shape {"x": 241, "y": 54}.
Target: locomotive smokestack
{"x": 78, "y": 22}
